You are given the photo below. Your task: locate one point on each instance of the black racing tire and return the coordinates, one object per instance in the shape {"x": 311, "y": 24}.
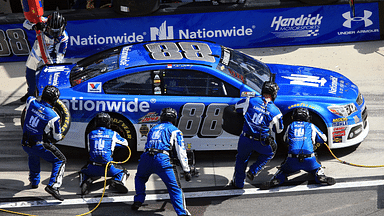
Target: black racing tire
{"x": 125, "y": 129}
{"x": 319, "y": 122}
{"x": 232, "y": 121}
{"x": 62, "y": 111}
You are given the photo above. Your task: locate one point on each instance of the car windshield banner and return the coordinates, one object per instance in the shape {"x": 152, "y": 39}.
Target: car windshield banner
{"x": 235, "y": 29}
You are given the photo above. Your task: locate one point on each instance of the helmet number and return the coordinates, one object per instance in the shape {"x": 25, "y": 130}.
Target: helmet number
{"x": 177, "y": 51}
{"x": 197, "y": 119}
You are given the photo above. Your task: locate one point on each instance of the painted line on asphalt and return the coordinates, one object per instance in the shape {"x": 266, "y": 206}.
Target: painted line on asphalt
{"x": 201, "y": 194}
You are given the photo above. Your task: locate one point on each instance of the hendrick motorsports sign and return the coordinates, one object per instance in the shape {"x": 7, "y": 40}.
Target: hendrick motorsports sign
{"x": 235, "y": 29}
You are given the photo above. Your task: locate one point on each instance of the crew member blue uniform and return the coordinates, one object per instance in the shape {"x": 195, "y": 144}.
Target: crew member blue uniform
{"x": 55, "y": 40}
{"x": 262, "y": 120}
{"x": 162, "y": 139}
{"x": 301, "y": 136}
{"x": 101, "y": 144}
{"x": 41, "y": 128}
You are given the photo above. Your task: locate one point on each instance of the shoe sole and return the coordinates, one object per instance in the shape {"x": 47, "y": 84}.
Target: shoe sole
{"x": 56, "y": 196}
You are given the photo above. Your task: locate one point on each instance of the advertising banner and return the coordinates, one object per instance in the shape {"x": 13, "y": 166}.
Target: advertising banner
{"x": 235, "y": 29}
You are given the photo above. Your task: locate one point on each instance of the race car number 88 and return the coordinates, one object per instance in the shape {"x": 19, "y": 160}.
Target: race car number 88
{"x": 177, "y": 51}
{"x": 192, "y": 115}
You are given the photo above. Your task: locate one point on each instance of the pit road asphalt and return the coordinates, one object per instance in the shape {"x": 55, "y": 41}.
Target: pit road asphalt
{"x": 362, "y": 62}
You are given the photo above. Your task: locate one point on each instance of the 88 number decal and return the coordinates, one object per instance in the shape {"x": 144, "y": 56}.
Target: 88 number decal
{"x": 177, "y": 51}
{"x": 13, "y": 41}
{"x": 196, "y": 119}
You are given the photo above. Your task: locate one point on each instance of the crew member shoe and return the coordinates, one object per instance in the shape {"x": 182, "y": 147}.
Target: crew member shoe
{"x": 136, "y": 205}
{"x": 24, "y": 98}
{"x": 54, "y": 192}
{"x": 331, "y": 181}
{"x": 85, "y": 187}
{"x": 118, "y": 186}
{"x": 233, "y": 185}
{"x": 328, "y": 180}
{"x": 34, "y": 186}
{"x": 269, "y": 184}
{"x": 250, "y": 175}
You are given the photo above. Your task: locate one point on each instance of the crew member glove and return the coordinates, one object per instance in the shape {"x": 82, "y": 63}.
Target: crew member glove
{"x": 187, "y": 176}
{"x": 39, "y": 26}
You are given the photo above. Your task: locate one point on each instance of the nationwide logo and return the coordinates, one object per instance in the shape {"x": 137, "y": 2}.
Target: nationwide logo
{"x": 349, "y": 19}
{"x": 302, "y": 26}
{"x": 306, "y": 80}
{"x": 164, "y": 32}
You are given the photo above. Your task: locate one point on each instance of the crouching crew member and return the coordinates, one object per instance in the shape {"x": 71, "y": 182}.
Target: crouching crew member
{"x": 101, "y": 143}
{"x": 42, "y": 127}
{"x": 162, "y": 139}
{"x": 301, "y": 136}
{"x": 262, "y": 119}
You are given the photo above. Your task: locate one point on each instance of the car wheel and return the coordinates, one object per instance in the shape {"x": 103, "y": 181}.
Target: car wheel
{"x": 318, "y": 121}
{"x": 62, "y": 111}
{"x": 125, "y": 129}
{"x": 232, "y": 121}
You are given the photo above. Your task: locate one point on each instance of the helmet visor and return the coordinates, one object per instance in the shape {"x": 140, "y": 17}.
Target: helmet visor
{"x": 54, "y": 32}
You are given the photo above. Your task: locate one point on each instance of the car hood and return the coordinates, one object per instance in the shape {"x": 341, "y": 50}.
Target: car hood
{"x": 309, "y": 81}
{"x": 56, "y": 75}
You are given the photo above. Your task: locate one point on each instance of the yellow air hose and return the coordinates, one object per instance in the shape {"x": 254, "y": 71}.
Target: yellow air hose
{"x": 98, "y": 204}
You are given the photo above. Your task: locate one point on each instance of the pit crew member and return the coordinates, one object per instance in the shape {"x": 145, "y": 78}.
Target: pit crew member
{"x": 42, "y": 127}
{"x": 262, "y": 120}
{"x": 162, "y": 139}
{"x": 301, "y": 136}
{"x": 102, "y": 141}
{"x": 55, "y": 40}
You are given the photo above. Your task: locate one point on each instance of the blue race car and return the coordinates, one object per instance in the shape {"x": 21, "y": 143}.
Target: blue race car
{"x": 199, "y": 79}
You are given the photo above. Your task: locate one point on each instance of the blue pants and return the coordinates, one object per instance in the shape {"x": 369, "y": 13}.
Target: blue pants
{"x": 160, "y": 165}
{"x": 30, "y": 75}
{"x": 96, "y": 171}
{"x": 245, "y": 148}
{"x": 51, "y": 154}
{"x": 291, "y": 165}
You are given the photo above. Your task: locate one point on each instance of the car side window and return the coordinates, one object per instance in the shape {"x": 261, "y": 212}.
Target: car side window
{"x": 195, "y": 83}
{"x": 133, "y": 84}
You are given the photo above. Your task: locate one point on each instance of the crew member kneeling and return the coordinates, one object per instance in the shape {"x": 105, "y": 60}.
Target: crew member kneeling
{"x": 101, "y": 143}
{"x": 301, "y": 135}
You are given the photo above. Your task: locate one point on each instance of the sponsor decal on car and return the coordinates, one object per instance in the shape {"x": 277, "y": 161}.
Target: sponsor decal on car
{"x": 149, "y": 118}
{"x": 305, "y": 80}
{"x": 302, "y": 105}
{"x": 94, "y": 87}
{"x": 339, "y": 122}
{"x": 109, "y": 106}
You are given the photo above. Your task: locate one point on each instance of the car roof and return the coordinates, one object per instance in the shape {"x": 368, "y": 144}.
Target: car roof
{"x": 172, "y": 52}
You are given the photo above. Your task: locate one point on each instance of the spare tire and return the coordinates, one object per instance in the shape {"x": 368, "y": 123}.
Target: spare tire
{"x": 232, "y": 121}
{"x": 62, "y": 111}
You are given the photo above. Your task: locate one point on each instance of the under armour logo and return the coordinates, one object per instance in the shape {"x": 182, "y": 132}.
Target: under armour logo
{"x": 349, "y": 19}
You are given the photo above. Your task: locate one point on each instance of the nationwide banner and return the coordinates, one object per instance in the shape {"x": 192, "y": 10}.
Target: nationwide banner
{"x": 235, "y": 29}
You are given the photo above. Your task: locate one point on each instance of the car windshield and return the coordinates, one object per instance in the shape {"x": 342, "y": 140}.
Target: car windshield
{"x": 244, "y": 68}
{"x": 95, "y": 65}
